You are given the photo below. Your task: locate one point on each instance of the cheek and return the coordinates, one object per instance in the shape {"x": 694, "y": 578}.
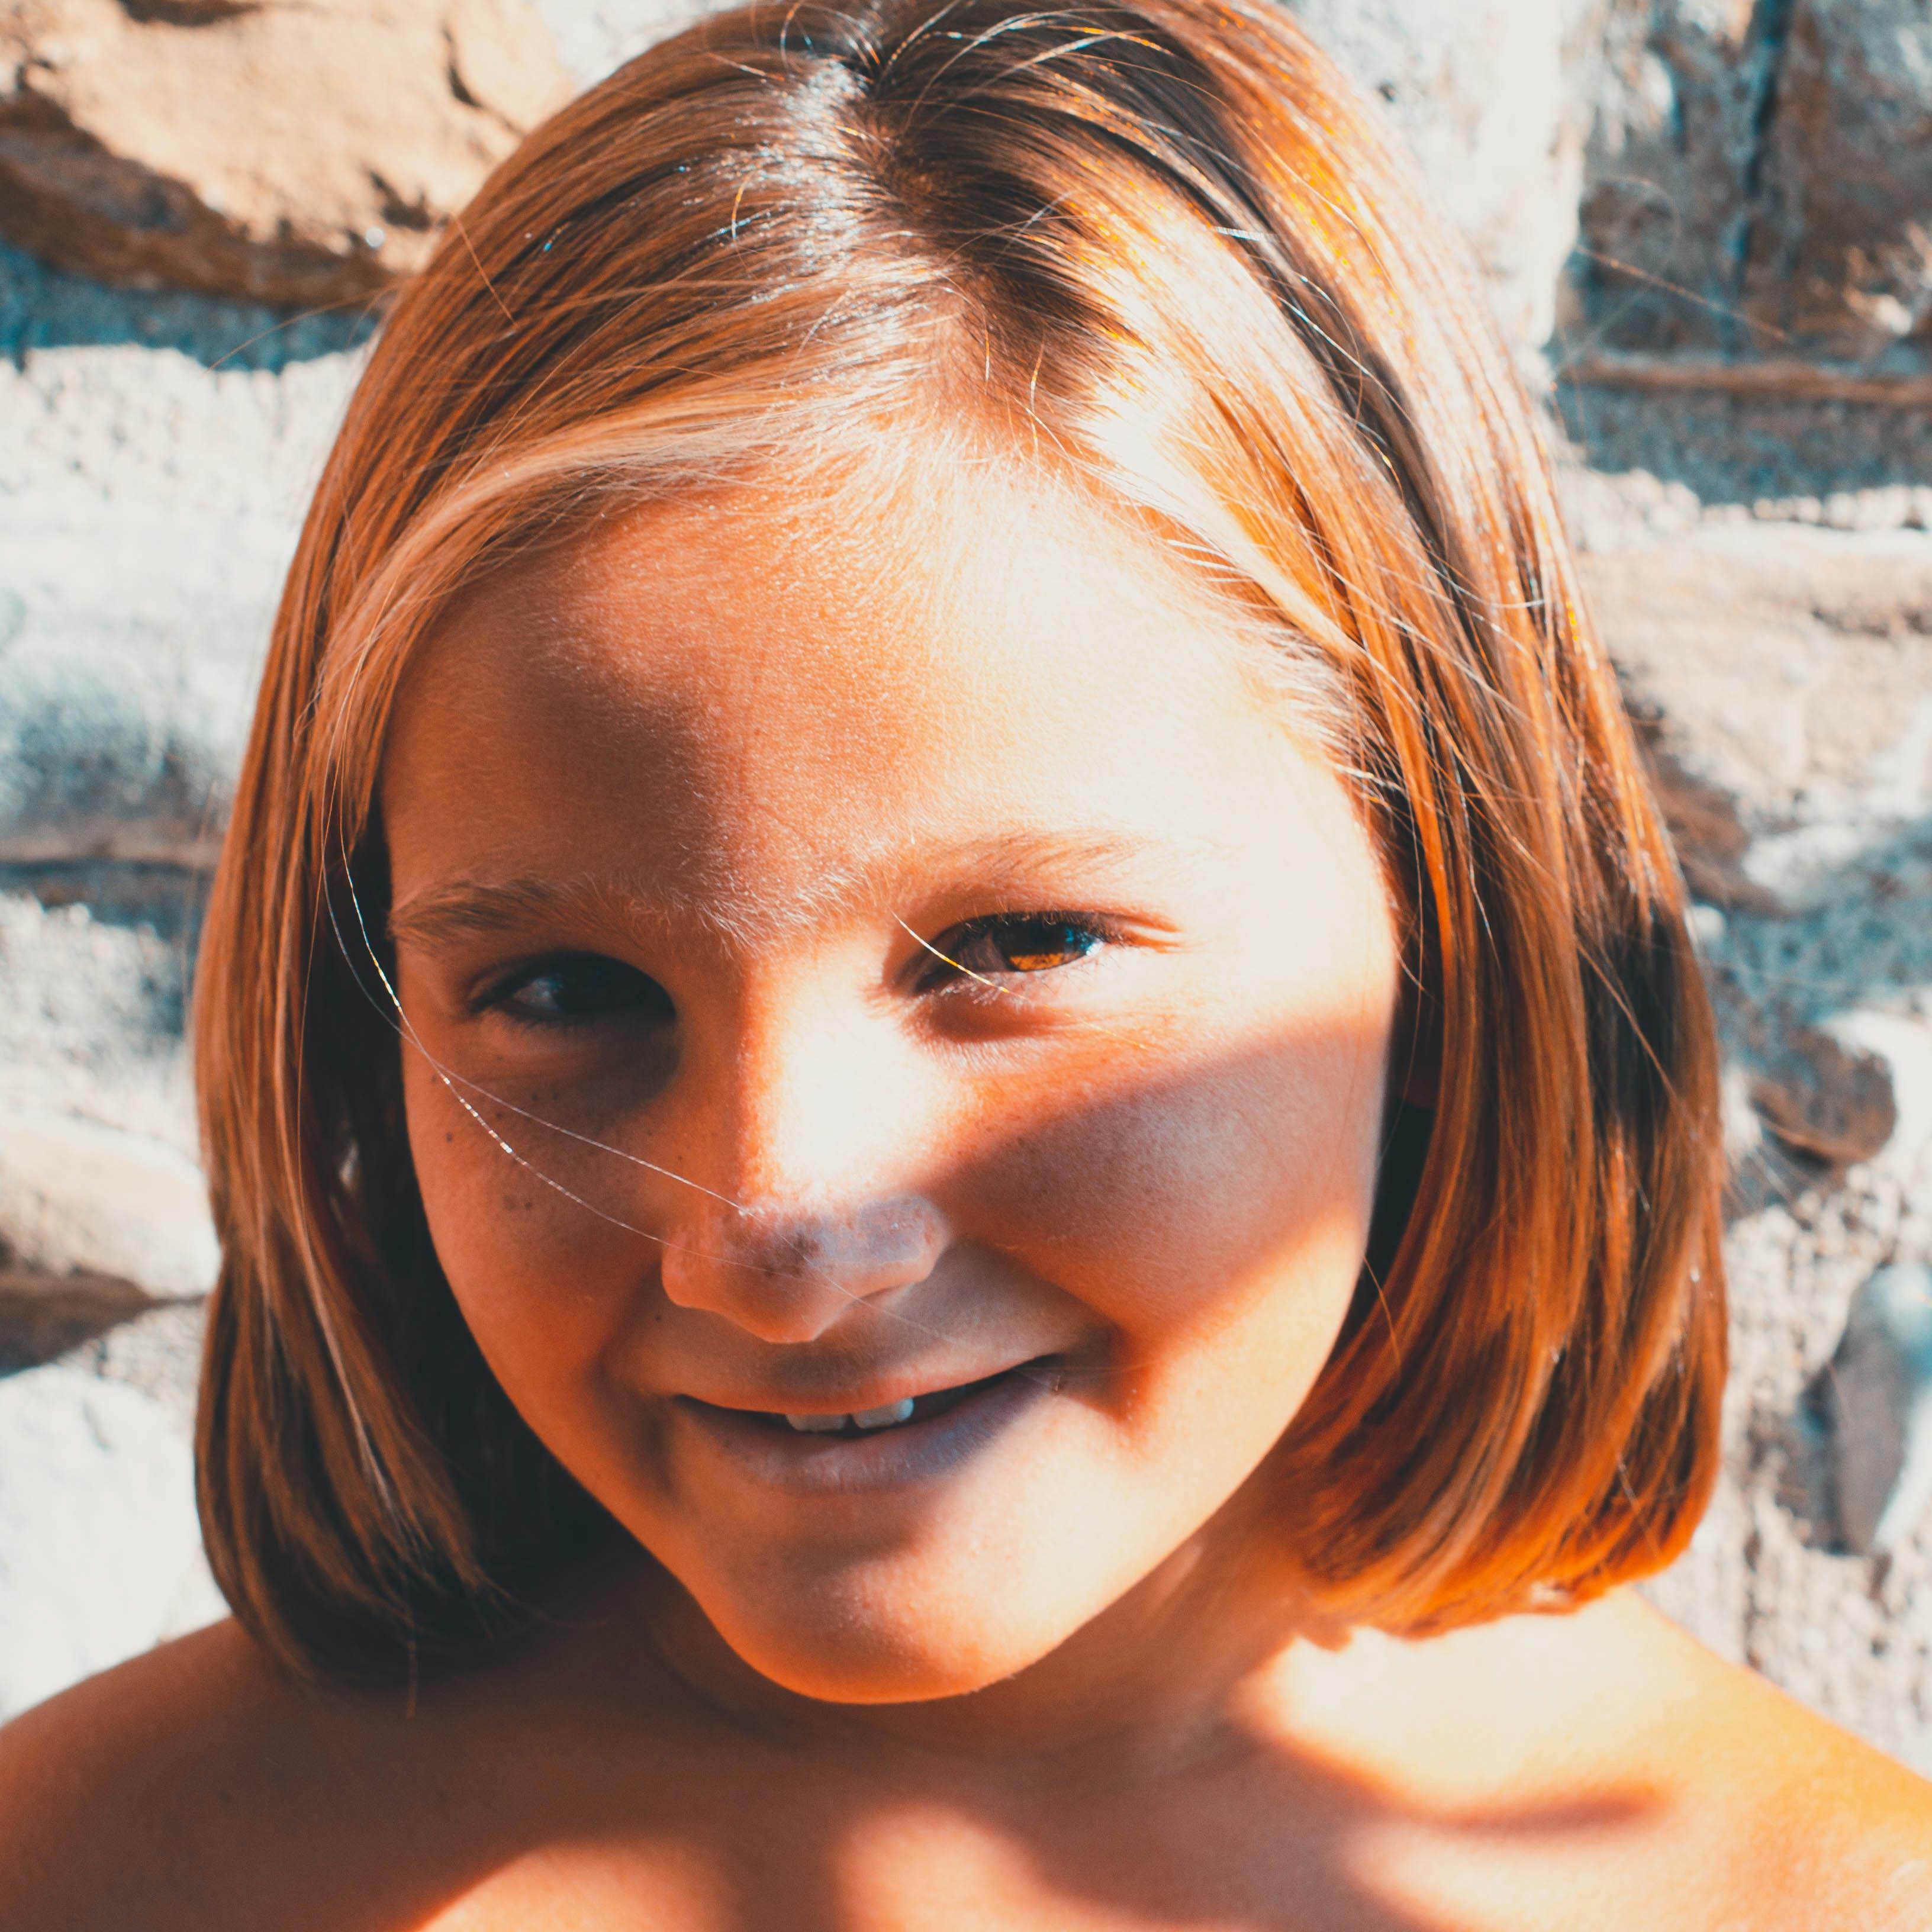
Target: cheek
{"x": 542, "y": 1281}
{"x": 1188, "y": 1206}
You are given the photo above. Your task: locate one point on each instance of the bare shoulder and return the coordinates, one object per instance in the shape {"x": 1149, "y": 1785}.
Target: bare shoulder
{"x": 1819, "y": 1822}
{"x": 1616, "y": 1772}
{"x": 111, "y": 1789}
{"x": 197, "y": 1788}
{"x": 1749, "y": 1809}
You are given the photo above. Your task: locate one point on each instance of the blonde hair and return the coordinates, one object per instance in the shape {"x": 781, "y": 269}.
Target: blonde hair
{"x": 1162, "y": 248}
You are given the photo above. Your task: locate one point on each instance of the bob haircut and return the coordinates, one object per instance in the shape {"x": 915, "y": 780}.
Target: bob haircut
{"x": 1161, "y": 247}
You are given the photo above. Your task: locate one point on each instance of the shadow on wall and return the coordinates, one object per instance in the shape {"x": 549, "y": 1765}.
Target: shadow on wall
{"x": 168, "y": 900}
{"x": 1745, "y": 449}
{"x": 42, "y": 307}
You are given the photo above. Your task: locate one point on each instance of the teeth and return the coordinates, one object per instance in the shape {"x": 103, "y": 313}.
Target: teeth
{"x": 866, "y": 1418}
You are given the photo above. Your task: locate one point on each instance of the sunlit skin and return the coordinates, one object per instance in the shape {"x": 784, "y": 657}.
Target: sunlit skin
{"x": 853, "y": 944}
{"x": 1124, "y": 1143}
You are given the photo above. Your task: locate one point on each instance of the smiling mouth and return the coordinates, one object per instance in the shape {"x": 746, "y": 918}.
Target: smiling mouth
{"x": 909, "y": 1409}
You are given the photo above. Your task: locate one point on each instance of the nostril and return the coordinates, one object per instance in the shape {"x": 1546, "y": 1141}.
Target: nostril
{"x": 788, "y": 1271}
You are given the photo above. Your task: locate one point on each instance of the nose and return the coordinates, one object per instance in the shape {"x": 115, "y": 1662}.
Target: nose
{"x": 806, "y": 1131}
{"x": 786, "y": 1273}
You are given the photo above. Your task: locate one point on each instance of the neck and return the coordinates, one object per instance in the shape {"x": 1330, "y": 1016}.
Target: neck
{"x": 1176, "y": 1670}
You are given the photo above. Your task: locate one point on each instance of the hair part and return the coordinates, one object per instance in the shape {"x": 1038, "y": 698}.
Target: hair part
{"x": 1160, "y": 249}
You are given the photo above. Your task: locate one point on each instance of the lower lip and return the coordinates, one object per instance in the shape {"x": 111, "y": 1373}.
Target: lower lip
{"x": 806, "y": 1464}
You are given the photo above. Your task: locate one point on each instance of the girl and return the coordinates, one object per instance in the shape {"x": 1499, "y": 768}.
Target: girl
{"x": 963, "y": 1134}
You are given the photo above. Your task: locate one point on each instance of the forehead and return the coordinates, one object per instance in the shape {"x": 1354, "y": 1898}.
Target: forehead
{"x": 779, "y": 684}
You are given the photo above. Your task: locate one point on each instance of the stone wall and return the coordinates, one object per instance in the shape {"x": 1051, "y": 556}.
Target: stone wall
{"x": 1704, "y": 222}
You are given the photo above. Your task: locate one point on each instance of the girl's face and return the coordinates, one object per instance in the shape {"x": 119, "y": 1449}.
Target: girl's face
{"x": 941, "y": 1015}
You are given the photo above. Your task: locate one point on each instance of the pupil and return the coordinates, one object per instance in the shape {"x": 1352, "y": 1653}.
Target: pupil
{"x": 1038, "y": 944}
{"x": 578, "y": 989}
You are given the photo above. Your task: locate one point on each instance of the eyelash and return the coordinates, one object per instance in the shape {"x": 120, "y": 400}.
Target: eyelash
{"x": 948, "y": 963}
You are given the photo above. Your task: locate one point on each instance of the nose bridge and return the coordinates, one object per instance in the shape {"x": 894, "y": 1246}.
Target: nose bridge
{"x": 805, "y": 1087}
{"x": 804, "y": 1110}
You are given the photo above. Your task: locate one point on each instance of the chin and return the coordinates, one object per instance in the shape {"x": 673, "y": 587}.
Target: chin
{"x": 828, "y": 1647}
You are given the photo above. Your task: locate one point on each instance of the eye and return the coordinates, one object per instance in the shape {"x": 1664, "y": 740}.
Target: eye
{"x": 1006, "y": 944}
{"x": 580, "y": 987}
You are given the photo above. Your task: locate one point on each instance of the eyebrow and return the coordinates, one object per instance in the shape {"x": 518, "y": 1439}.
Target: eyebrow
{"x": 461, "y": 909}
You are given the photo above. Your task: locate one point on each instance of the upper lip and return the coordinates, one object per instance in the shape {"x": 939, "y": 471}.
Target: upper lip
{"x": 857, "y": 1397}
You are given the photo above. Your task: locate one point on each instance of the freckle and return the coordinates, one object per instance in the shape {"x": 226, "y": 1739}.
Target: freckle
{"x": 447, "y": 1138}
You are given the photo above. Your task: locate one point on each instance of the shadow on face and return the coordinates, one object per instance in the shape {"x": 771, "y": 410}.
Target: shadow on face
{"x": 622, "y": 1761}
{"x": 924, "y": 960}
{"x": 857, "y": 958}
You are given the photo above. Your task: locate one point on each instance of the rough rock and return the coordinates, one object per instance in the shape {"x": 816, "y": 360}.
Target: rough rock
{"x": 1877, "y": 1406}
{"x": 102, "y": 1208}
{"x": 1840, "y": 250}
{"x": 1824, "y": 1101}
{"x": 100, "y": 1550}
{"x": 90, "y": 1023}
{"x": 43, "y": 1318}
{"x": 294, "y": 153}
{"x": 1678, "y": 91}
{"x": 1822, "y": 460}
{"x": 157, "y": 1352}
{"x": 1758, "y": 179}
{"x": 77, "y": 1199}
{"x": 1782, "y": 676}
{"x": 155, "y": 454}
{"x": 1781, "y": 679}
{"x": 1476, "y": 89}
{"x": 594, "y": 36}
